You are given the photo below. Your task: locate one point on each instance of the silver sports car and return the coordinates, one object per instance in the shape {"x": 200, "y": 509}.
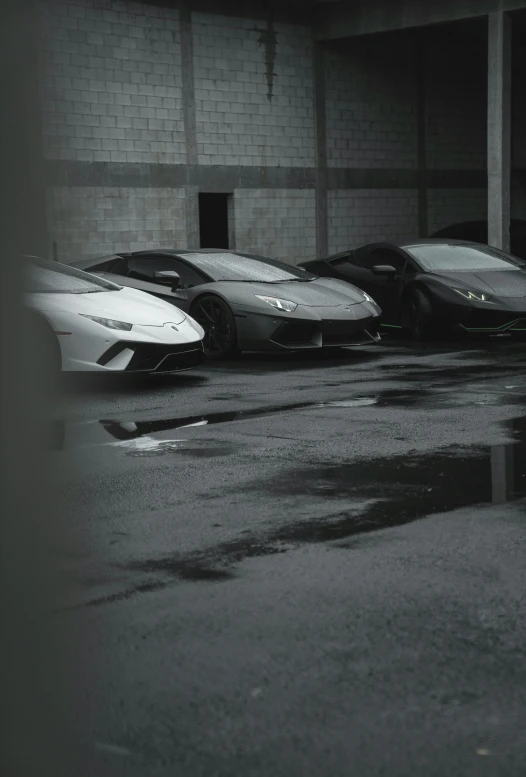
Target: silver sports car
{"x": 246, "y": 302}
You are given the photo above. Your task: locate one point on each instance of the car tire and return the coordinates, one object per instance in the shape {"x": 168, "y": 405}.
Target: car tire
{"x": 218, "y": 321}
{"x": 419, "y": 321}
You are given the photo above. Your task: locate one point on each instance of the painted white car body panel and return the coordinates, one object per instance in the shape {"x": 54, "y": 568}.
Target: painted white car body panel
{"x": 154, "y": 321}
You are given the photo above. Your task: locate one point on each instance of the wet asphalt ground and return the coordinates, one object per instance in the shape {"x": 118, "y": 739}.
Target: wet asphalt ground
{"x": 296, "y": 567}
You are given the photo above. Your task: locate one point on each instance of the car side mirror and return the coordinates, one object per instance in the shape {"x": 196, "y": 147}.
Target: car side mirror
{"x": 168, "y": 278}
{"x": 383, "y": 269}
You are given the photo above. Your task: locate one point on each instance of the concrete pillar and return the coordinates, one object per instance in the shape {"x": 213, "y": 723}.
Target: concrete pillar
{"x": 499, "y": 129}
{"x": 190, "y": 126}
{"x": 421, "y": 77}
{"x": 322, "y": 218}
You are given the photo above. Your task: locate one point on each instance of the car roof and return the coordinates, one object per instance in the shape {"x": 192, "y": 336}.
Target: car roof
{"x": 181, "y": 251}
{"x": 400, "y": 245}
{"x": 81, "y": 263}
{"x": 430, "y": 241}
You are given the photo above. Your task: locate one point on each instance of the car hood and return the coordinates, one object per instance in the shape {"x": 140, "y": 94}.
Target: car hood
{"x": 130, "y": 305}
{"x": 506, "y": 283}
{"x": 322, "y": 292}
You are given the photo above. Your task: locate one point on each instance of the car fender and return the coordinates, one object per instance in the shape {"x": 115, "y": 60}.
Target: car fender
{"x": 194, "y": 297}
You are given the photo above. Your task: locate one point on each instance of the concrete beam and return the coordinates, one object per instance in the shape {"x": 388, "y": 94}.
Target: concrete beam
{"x": 499, "y": 130}
{"x": 348, "y": 18}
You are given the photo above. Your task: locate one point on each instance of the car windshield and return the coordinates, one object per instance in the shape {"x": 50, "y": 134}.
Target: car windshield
{"x": 225, "y": 266}
{"x": 462, "y": 258}
{"x": 44, "y": 277}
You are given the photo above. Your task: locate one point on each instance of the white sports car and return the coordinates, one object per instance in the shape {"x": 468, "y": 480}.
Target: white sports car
{"x": 92, "y": 324}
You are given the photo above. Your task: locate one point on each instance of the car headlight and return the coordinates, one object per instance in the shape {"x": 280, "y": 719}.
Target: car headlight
{"x": 110, "y": 323}
{"x": 280, "y": 304}
{"x": 476, "y": 296}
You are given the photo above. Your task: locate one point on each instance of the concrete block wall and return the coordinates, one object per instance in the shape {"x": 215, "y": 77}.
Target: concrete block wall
{"x": 365, "y": 216}
{"x": 253, "y": 92}
{"x": 371, "y": 115}
{"x": 277, "y": 223}
{"x": 456, "y": 98}
{"x": 371, "y": 109}
{"x": 112, "y": 82}
{"x": 518, "y": 183}
{"x": 113, "y": 73}
{"x": 97, "y": 220}
{"x": 456, "y": 118}
{"x": 112, "y": 101}
{"x": 452, "y": 206}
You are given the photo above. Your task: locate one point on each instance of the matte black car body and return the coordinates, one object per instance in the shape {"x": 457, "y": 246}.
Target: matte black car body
{"x": 329, "y": 312}
{"x": 427, "y": 302}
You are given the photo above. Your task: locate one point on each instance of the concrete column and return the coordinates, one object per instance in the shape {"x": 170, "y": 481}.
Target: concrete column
{"x": 322, "y": 226}
{"x": 190, "y": 126}
{"x": 421, "y": 77}
{"x": 499, "y": 129}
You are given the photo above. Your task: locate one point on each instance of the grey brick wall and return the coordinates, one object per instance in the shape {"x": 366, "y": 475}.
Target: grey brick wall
{"x": 112, "y": 94}
{"x": 238, "y": 121}
{"x": 112, "y": 82}
{"x": 93, "y": 221}
{"x": 456, "y": 100}
{"x": 452, "y": 206}
{"x": 276, "y": 222}
{"x": 367, "y": 215}
{"x": 371, "y": 105}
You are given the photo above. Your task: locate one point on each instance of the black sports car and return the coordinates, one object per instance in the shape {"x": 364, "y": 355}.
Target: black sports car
{"x": 435, "y": 286}
{"x": 246, "y": 302}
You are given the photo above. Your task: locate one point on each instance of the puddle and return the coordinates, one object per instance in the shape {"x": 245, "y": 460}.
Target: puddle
{"x": 131, "y": 430}
{"x": 356, "y": 499}
{"x": 135, "y": 437}
{"x": 149, "y": 446}
{"x": 63, "y": 436}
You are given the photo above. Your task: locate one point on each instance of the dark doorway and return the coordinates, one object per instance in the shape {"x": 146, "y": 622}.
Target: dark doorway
{"x": 213, "y": 220}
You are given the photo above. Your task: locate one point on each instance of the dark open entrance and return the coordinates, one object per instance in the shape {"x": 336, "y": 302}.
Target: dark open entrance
{"x": 213, "y": 220}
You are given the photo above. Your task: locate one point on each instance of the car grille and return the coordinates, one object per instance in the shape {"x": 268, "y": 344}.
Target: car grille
{"x": 181, "y": 361}
{"x": 295, "y": 334}
{"x": 151, "y": 357}
{"x": 346, "y": 332}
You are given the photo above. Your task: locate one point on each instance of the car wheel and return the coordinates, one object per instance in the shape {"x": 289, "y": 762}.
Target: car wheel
{"x": 219, "y": 324}
{"x": 418, "y": 317}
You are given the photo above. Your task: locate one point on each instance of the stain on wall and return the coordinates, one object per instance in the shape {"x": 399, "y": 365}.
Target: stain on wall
{"x": 268, "y": 39}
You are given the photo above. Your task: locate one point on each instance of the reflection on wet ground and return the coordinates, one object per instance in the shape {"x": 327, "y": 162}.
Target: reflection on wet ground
{"x": 357, "y": 498}
{"x": 135, "y": 436}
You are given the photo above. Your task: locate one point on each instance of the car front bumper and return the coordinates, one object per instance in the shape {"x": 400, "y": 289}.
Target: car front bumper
{"x": 91, "y": 347}
{"x": 307, "y": 328}
{"x": 494, "y": 322}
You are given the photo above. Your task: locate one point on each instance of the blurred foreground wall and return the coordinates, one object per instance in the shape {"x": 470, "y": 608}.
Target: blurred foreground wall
{"x": 32, "y": 730}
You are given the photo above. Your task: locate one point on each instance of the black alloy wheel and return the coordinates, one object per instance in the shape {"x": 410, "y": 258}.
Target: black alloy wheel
{"x": 418, "y": 318}
{"x": 219, "y": 324}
